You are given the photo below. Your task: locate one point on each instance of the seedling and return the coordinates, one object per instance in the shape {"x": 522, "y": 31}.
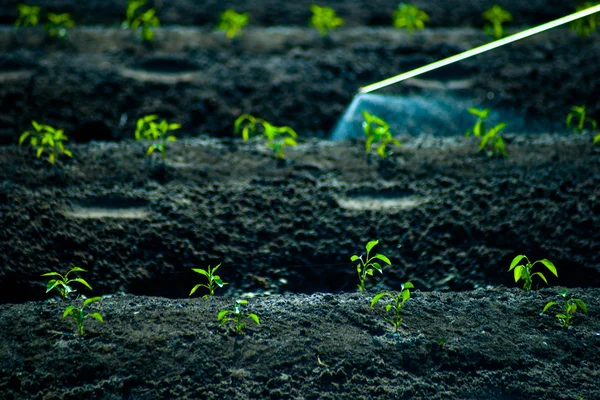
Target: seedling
{"x": 378, "y": 132}
{"x": 58, "y": 24}
{"x": 495, "y": 17}
{"x": 581, "y": 120}
{"x": 409, "y": 17}
{"x": 238, "y": 317}
{"x": 365, "y": 267}
{"x": 523, "y": 271}
{"x": 588, "y": 25}
{"x": 147, "y": 128}
{"x": 136, "y": 18}
{"x": 62, "y": 283}
{"x": 571, "y": 305}
{"x": 28, "y": 15}
{"x": 479, "y": 127}
{"x": 324, "y": 19}
{"x": 278, "y": 137}
{"x": 79, "y": 314}
{"x": 493, "y": 142}
{"x": 232, "y": 22}
{"x": 213, "y": 280}
{"x": 46, "y": 139}
{"x": 398, "y": 302}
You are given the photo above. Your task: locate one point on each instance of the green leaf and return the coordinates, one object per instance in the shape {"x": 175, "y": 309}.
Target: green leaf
{"x": 68, "y": 311}
{"x": 370, "y": 271}
{"x": 518, "y": 272}
{"x": 254, "y": 318}
{"x": 290, "y": 142}
{"x": 405, "y": 295}
{"x": 76, "y": 269}
{"x": 96, "y": 316}
{"x": 541, "y": 276}
{"x": 219, "y": 282}
{"x": 408, "y": 285}
{"x": 194, "y": 289}
{"x": 242, "y": 301}
{"x": 82, "y": 281}
{"x": 24, "y": 136}
{"x": 377, "y": 267}
{"x": 151, "y": 149}
{"x": 52, "y": 158}
{"x": 383, "y": 258}
{"x": 201, "y": 271}
{"x": 39, "y": 152}
{"x": 91, "y": 300}
{"x": 222, "y": 314}
{"x": 516, "y": 261}
{"x": 547, "y": 306}
{"x": 173, "y": 127}
{"x": 171, "y": 138}
{"x": 378, "y": 297}
{"x": 371, "y": 244}
{"x": 354, "y": 258}
{"x": 52, "y": 274}
{"x": 52, "y": 284}
{"x": 388, "y": 307}
{"x": 37, "y": 127}
{"x": 581, "y": 305}
{"x": 68, "y": 153}
{"x": 550, "y": 266}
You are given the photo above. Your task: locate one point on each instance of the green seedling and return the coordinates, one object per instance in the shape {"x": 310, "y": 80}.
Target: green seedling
{"x": 479, "y": 127}
{"x": 378, "y": 132}
{"x": 232, "y": 22}
{"x": 588, "y": 25}
{"x": 523, "y": 271}
{"x": 493, "y": 142}
{"x": 79, "y": 314}
{"x": 409, "y": 17}
{"x": 213, "y": 280}
{"x": 28, "y": 15}
{"x": 571, "y": 305}
{"x": 238, "y": 317}
{"x": 62, "y": 283}
{"x": 398, "y": 302}
{"x": 278, "y": 137}
{"x": 58, "y": 24}
{"x": 324, "y": 19}
{"x": 368, "y": 265}
{"x": 495, "y": 17}
{"x": 46, "y": 139}
{"x": 578, "y": 113}
{"x": 147, "y": 128}
{"x": 135, "y": 18}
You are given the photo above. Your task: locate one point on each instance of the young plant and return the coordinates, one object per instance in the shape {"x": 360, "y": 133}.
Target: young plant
{"x": 494, "y": 18}
{"x": 324, "y": 19}
{"x": 237, "y": 317}
{"x": 147, "y": 128}
{"x": 588, "y": 25}
{"x": 62, "y": 283}
{"x": 523, "y": 271}
{"x": 46, "y": 139}
{"x": 213, "y": 280}
{"x": 135, "y": 18}
{"x": 365, "y": 267}
{"x": 409, "y": 17}
{"x": 278, "y": 137}
{"x": 28, "y": 15}
{"x": 479, "y": 127}
{"x": 79, "y": 314}
{"x": 58, "y": 24}
{"x": 493, "y": 142}
{"x": 399, "y": 301}
{"x": 582, "y": 120}
{"x": 378, "y": 132}
{"x": 232, "y": 22}
{"x": 571, "y": 305}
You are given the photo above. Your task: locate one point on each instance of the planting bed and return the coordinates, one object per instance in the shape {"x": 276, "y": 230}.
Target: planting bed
{"x": 449, "y": 218}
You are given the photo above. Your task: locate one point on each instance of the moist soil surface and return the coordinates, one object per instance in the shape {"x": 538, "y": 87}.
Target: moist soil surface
{"x": 449, "y": 218}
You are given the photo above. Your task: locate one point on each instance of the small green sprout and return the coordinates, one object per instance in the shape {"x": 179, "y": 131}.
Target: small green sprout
{"x": 213, "y": 280}
{"x": 495, "y": 17}
{"x": 147, "y": 128}
{"x": 493, "y": 142}
{"x": 58, "y": 24}
{"x": 409, "y": 17}
{"x": 582, "y": 120}
{"x": 588, "y": 25}
{"x": 479, "y": 128}
{"x": 46, "y": 139}
{"x": 571, "y": 305}
{"x": 523, "y": 271}
{"x": 399, "y": 301}
{"x": 238, "y": 317}
{"x": 365, "y": 267}
{"x": 28, "y": 15}
{"x": 232, "y": 22}
{"x": 62, "y": 282}
{"x": 378, "y": 131}
{"x": 79, "y": 314}
{"x": 597, "y": 138}
{"x": 324, "y": 19}
{"x": 278, "y": 137}
{"x": 135, "y": 18}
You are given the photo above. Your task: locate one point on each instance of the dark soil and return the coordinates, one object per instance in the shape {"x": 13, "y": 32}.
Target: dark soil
{"x": 449, "y": 218}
